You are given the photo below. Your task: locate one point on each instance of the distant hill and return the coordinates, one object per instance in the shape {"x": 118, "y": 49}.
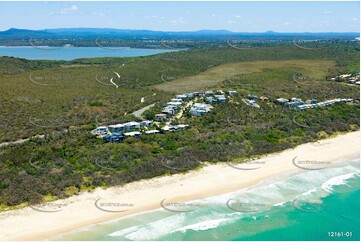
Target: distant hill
{"x": 86, "y": 36}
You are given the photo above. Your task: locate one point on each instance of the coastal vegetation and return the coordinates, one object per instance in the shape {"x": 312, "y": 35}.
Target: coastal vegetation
{"x": 65, "y": 100}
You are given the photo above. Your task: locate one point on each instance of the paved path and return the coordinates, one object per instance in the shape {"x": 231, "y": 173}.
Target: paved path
{"x": 139, "y": 112}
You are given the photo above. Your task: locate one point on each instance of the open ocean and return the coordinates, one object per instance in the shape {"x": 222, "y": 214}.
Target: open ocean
{"x": 71, "y": 53}
{"x": 310, "y": 205}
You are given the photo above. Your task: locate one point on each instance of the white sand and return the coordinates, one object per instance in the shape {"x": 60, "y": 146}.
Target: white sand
{"x": 80, "y": 211}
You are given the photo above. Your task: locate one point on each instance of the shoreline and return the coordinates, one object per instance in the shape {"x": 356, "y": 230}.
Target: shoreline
{"x": 214, "y": 179}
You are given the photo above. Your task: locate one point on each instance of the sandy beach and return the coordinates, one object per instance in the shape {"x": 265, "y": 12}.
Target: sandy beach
{"x": 101, "y": 205}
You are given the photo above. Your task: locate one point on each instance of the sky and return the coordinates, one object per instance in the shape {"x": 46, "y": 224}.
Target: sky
{"x": 185, "y": 16}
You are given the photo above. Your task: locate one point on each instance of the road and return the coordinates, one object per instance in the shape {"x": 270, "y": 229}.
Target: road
{"x": 139, "y": 112}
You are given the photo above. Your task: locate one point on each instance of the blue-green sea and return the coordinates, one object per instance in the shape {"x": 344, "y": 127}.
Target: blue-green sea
{"x": 307, "y": 205}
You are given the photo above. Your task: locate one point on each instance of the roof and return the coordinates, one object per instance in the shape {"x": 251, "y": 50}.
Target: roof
{"x": 132, "y": 133}
{"x": 102, "y": 127}
{"x": 152, "y": 131}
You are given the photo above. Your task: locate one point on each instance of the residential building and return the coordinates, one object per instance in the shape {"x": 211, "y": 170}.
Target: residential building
{"x": 101, "y": 130}
{"x": 135, "y": 134}
{"x": 252, "y": 96}
{"x": 160, "y": 116}
{"x": 221, "y": 98}
{"x": 199, "y": 109}
{"x": 232, "y": 93}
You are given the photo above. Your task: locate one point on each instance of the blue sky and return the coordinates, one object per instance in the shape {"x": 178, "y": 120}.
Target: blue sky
{"x": 182, "y": 16}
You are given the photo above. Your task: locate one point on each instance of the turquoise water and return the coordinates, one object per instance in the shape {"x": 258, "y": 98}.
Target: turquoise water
{"x": 298, "y": 206}
{"x": 71, "y": 53}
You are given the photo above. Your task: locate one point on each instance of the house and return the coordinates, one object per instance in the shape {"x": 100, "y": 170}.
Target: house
{"x": 220, "y": 98}
{"x": 181, "y": 96}
{"x": 168, "y": 111}
{"x": 252, "y": 96}
{"x": 282, "y": 101}
{"x": 176, "y": 100}
{"x": 199, "y": 109}
{"x": 132, "y": 125}
{"x": 152, "y": 131}
{"x": 101, "y": 130}
{"x": 209, "y": 93}
{"x": 177, "y": 104}
{"x": 189, "y": 95}
{"x": 160, "y": 116}
{"x": 232, "y": 93}
{"x": 196, "y": 94}
{"x": 146, "y": 123}
{"x": 220, "y": 92}
{"x": 210, "y": 100}
{"x": 169, "y": 128}
{"x": 135, "y": 134}
{"x": 117, "y": 127}
{"x": 311, "y": 101}
{"x": 182, "y": 126}
{"x": 345, "y": 75}
{"x": 113, "y": 138}
{"x": 264, "y": 98}
{"x": 251, "y": 103}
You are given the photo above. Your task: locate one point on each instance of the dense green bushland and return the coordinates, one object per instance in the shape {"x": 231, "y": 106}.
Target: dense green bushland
{"x": 65, "y": 100}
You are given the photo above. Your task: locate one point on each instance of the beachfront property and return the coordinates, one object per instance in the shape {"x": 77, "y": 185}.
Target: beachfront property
{"x": 323, "y": 104}
{"x": 124, "y": 126}
{"x": 252, "y": 96}
{"x": 220, "y": 98}
{"x": 251, "y": 103}
{"x": 102, "y": 130}
{"x": 210, "y": 100}
{"x": 160, "y": 116}
{"x": 171, "y": 128}
{"x": 154, "y": 131}
{"x": 199, "y": 109}
{"x": 264, "y": 98}
{"x": 169, "y": 111}
{"x": 182, "y": 96}
{"x": 282, "y": 101}
{"x": 134, "y": 134}
{"x": 232, "y": 93}
{"x": 114, "y": 138}
{"x": 348, "y": 78}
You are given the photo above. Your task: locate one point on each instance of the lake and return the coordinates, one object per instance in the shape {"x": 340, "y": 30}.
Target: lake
{"x": 71, "y": 53}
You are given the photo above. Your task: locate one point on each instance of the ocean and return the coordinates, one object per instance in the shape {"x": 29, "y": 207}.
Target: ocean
{"x": 307, "y": 205}
{"x": 71, "y": 53}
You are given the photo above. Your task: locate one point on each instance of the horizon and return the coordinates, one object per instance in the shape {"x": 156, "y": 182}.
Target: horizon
{"x": 199, "y": 30}
{"x": 247, "y": 17}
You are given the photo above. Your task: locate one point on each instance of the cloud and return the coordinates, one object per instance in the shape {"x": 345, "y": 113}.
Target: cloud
{"x": 355, "y": 19}
{"x": 72, "y": 8}
{"x": 238, "y": 16}
{"x": 65, "y": 10}
{"x": 231, "y": 22}
{"x": 178, "y": 21}
{"x": 327, "y": 12}
{"x": 286, "y": 23}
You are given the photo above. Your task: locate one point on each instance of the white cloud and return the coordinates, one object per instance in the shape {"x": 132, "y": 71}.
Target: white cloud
{"x": 231, "y": 22}
{"x": 355, "y": 19}
{"x": 178, "y": 21}
{"x": 238, "y": 16}
{"x": 65, "y": 10}
{"x": 286, "y": 23}
{"x": 72, "y": 8}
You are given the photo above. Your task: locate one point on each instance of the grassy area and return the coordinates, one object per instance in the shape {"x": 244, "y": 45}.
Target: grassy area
{"x": 316, "y": 69}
